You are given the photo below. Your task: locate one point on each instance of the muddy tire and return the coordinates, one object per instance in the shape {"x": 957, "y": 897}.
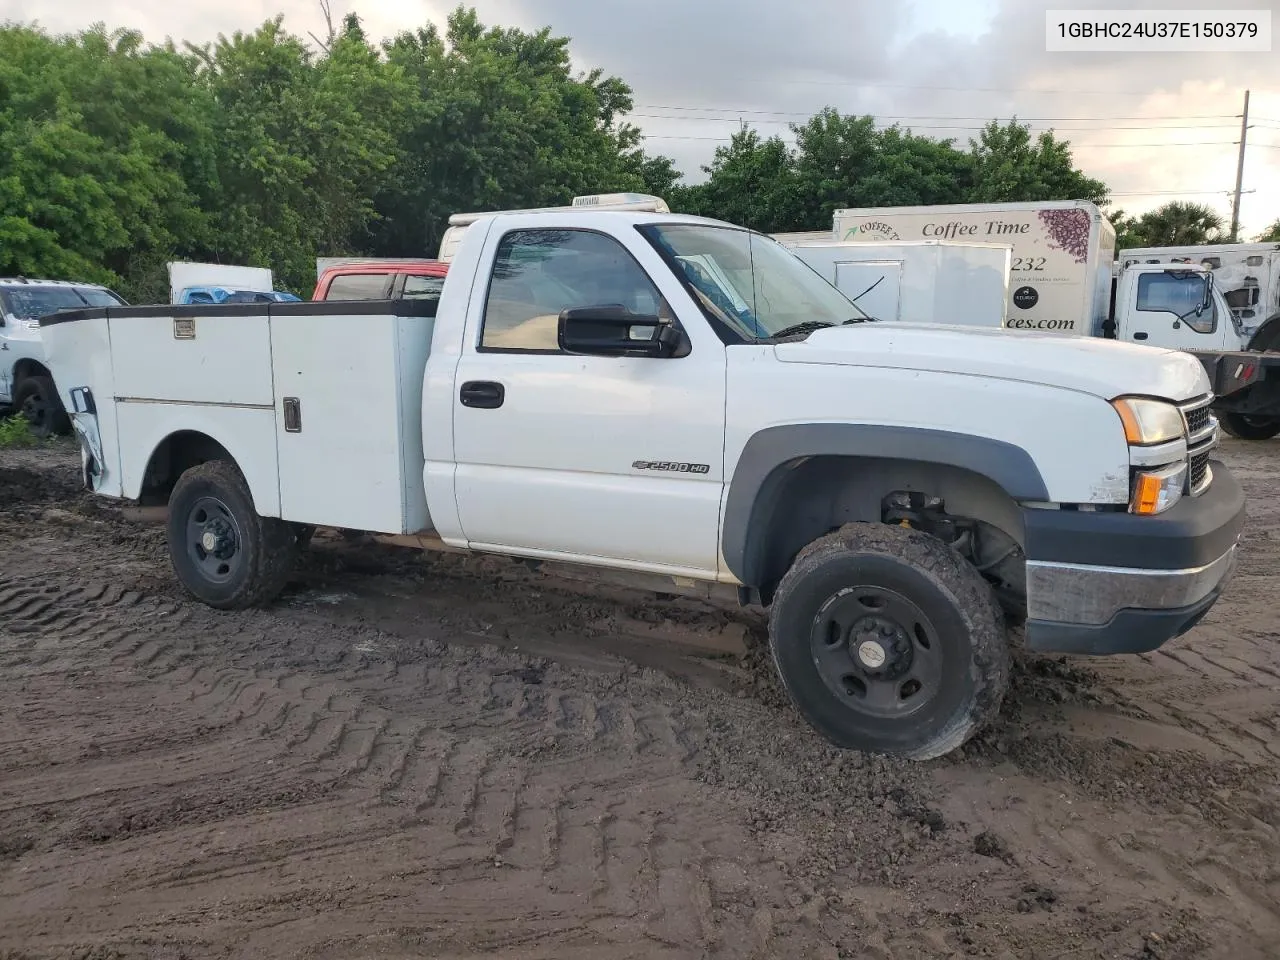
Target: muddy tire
{"x": 223, "y": 553}
{"x": 37, "y": 400}
{"x": 889, "y": 642}
{"x": 1244, "y": 427}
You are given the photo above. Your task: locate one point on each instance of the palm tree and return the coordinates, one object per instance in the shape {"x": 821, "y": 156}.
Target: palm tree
{"x": 1180, "y": 224}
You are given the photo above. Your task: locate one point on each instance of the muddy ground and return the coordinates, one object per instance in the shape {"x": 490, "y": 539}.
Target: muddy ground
{"x": 431, "y": 756}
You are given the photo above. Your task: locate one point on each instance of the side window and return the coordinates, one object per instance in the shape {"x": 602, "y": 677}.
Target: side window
{"x": 1169, "y": 293}
{"x": 359, "y": 286}
{"x": 539, "y": 273}
{"x": 422, "y": 288}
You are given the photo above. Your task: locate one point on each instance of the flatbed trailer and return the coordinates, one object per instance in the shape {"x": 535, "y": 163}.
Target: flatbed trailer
{"x": 1246, "y": 388}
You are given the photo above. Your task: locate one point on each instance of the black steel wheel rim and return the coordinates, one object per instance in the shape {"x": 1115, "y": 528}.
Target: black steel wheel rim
{"x": 214, "y": 543}
{"x": 877, "y": 652}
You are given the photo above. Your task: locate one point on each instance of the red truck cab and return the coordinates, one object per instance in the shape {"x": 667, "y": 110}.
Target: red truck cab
{"x": 381, "y": 280}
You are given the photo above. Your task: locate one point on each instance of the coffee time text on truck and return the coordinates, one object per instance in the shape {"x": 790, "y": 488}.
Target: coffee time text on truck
{"x": 684, "y": 399}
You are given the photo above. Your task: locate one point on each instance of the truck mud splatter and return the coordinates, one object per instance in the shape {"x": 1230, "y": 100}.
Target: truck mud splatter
{"x": 413, "y": 755}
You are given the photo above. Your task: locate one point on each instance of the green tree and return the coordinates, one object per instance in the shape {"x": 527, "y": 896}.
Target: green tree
{"x": 302, "y": 145}
{"x": 499, "y": 121}
{"x": 835, "y": 154}
{"x": 751, "y": 182}
{"x": 106, "y": 157}
{"x": 1178, "y": 224}
{"x": 844, "y": 161}
{"x": 913, "y": 170}
{"x": 1009, "y": 165}
{"x": 1127, "y": 229}
{"x": 116, "y": 157}
{"x": 1271, "y": 234}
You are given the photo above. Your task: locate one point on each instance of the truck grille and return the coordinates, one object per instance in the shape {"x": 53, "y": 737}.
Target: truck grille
{"x": 1202, "y": 437}
{"x": 1197, "y": 419}
{"x": 1199, "y": 472}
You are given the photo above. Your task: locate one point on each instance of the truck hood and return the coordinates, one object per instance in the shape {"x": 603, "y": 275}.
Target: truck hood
{"x": 1103, "y": 368}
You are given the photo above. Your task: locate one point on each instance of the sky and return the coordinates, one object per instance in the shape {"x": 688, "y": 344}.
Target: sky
{"x": 1153, "y": 126}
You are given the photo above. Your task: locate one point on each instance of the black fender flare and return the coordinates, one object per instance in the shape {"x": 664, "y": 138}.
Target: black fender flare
{"x": 773, "y": 452}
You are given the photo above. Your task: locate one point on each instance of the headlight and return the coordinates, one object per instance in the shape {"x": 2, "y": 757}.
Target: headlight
{"x": 1148, "y": 421}
{"x": 1155, "y": 491}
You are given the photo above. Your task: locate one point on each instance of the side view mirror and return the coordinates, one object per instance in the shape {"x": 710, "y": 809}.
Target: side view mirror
{"x": 611, "y": 330}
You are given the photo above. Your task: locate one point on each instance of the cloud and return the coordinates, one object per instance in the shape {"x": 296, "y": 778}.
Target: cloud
{"x": 1153, "y": 126}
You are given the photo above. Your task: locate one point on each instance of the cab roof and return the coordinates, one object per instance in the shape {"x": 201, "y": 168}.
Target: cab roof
{"x": 37, "y": 282}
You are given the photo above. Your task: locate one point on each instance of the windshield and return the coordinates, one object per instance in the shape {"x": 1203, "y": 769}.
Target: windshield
{"x": 29, "y": 303}
{"x": 749, "y": 283}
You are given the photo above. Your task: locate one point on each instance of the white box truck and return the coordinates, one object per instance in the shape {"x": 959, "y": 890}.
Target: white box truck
{"x": 1248, "y": 274}
{"x": 919, "y": 281}
{"x": 684, "y": 399}
{"x": 1062, "y": 253}
{"x": 184, "y": 276}
{"x": 1245, "y": 371}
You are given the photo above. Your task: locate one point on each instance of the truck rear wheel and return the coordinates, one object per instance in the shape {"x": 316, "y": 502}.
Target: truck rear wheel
{"x": 888, "y": 641}
{"x": 1244, "y": 427}
{"x": 36, "y": 398}
{"x": 223, "y": 552}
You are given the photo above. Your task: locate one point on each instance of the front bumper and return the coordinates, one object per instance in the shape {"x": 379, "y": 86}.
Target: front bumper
{"x": 1105, "y": 583}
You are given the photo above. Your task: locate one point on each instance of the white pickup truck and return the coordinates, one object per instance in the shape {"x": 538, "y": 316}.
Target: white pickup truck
{"x": 584, "y": 391}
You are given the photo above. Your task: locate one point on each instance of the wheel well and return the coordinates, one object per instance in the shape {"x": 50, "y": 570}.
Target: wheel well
{"x": 176, "y": 454}
{"x": 26, "y": 367}
{"x": 808, "y": 498}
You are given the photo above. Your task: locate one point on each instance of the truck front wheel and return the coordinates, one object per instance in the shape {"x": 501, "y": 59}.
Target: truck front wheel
{"x": 888, "y": 641}
{"x": 223, "y": 552}
{"x": 1244, "y": 427}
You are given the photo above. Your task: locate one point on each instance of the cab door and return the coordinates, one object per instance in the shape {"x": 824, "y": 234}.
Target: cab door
{"x": 1164, "y": 308}
{"x": 586, "y": 457}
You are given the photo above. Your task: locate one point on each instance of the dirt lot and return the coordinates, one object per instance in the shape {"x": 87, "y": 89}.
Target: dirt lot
{"x": 416, "y": 756}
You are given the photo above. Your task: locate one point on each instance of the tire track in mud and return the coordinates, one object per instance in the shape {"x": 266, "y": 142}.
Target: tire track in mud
{"x": 1180, "y": 797}
{"x": 298, "y": 783}
{"x": 504, "y": 783}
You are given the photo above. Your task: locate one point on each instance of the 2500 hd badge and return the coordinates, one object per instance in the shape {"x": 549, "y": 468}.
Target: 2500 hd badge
{"x": 670, "y": 466}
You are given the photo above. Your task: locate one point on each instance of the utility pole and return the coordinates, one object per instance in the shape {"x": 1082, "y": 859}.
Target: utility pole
{"x": 1235, "y": 203}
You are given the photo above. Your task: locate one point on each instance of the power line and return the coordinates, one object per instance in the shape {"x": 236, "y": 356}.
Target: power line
{"x": 911, "y": 86}
{"x": 1194, "y": 143}
{"x": 800, "y": 113}
{"x": 1168, "y": 193}
{"x": 934, "y": 126}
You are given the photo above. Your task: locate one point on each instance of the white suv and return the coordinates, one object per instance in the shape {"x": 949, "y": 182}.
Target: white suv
{"x": 26, "y": 384}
